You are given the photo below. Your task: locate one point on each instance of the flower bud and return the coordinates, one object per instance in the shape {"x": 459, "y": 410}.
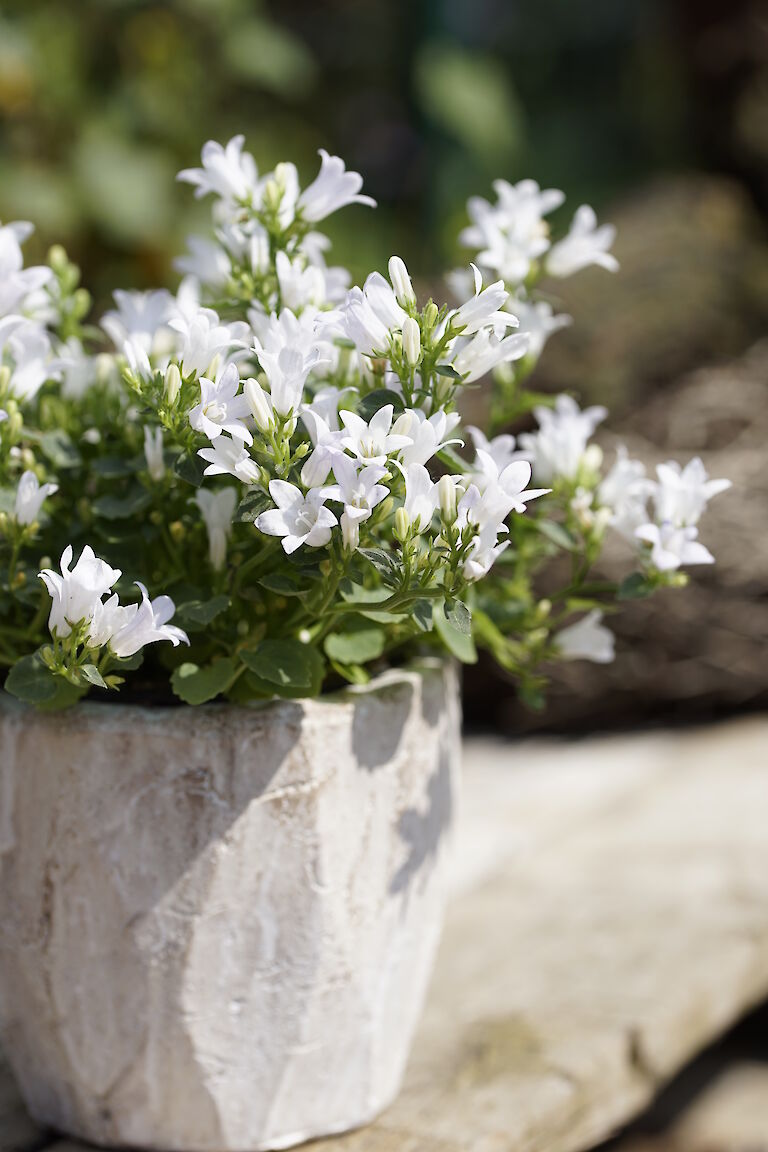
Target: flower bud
{"x": 401, "y": 282}
{"x": 402, "y": 525}
{"x": 260, "y": 405}
{"x": 172, "y": 384}
{"x": 213, "y": 367}
{"x": 402, "y": 426}
{"x": 177, "y": 531}
{"x": 350, "y": 532}
{"x": 82, "y": 302}
{"x": 593, "y": 457}
{"x": 15, "y": 423}
{"x": 411, "y": 340}
{"x": 5, "y": 379}
{"x": 446, "y": 494}
{"x": 431, "y": 313}
{"x": 57, "y": 258}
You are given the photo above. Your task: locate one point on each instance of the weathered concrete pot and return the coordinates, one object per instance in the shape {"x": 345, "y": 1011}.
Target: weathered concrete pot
{"x": 217, "y": 925}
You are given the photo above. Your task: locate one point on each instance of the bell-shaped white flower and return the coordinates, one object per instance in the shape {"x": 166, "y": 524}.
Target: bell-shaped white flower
{"x": 17, "y": 283}
{"x": 587, "y": 639}
{"x": 327, "y": 447}
{"x": 358, "y": 489}
{"x": 673, "y": 546}
{"x": 298, "y": 519}
{"x": 682, "y": 494}
{"x": 288, "y": 352}
{"x": 203, "y": 340}
{"x": 30, "y": 495}
{"x": 217, "y": 510}
{"x": 333, "y": 188}
{"x": 492, "y": 456}
{"x": 558, "y": 447}
{"x": 421, "y": 497}
{"x": 223, "y": 407}
{"x": 153, "y": 452}
{"x": 228, "y": 456}
{"x": 142, "y": 318}
{"x": 512, "y": 233}
{"x": 25, "y": 348}
{"x": 300, "y": 283}
{"x": 375, "y": 440}
{"x": 476, "y": 356}
{"x": 625, "y": 491}
{"x": 427, "y": 435}
{"x": 75, "y": 594}
{"x": 228, "y": 172}
{"x": 145, "y": 623}
{"x": 585, "y": 244}
{"x": 484, "y": 308}
{"x": 538, "y": 322}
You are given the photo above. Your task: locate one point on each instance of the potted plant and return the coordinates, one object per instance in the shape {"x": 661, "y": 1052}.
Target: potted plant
{"x": 262, "y": 541}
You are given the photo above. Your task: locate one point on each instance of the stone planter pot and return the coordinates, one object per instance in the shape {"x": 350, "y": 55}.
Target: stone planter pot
{"x": 217, "y": 924}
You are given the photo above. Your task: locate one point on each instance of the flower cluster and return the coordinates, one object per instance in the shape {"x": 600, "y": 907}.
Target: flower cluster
{"x": 279, "y": 456}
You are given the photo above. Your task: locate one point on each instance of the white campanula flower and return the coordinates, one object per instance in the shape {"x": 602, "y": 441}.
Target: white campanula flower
{"x": 682, "y": 494}
{"x": 421, "y": 497}
{"x": 228, "y": 456}
{"x": 137, "y": 360}
{"x": 537, "y": 322}
{"x": 217, "y": 509}
{"x": 492, "y": 456}
{"x": 401, "y": 282}
{"x": 298, "y": 519}
{"x": 301, "y": 283}
{"x": 486, "y": 512}
{"x": 77, "y": 370}
{"x": 223, "y": 407}
{"x": 203, "y": 340}
{"x": 206, "y": 260}
{"x": 153, "y": 452}
{"x": 76, "y": 593}
{"x": 17, "y": 283}
{"x": 327, "y": 446}
{"x": 289, "y": 351}
{"x": 333, "y": 188}
{"x": 142, "y": 318}
{"x": 672, "y": 546}
{"x": 484, "y": 308}
{"x": 30, "y": 495}
{"x": 559, "y": 445}
{"x": 358, "y": 489}
{"x": 485, "y": 550}
{"x": 375, "y": 440}
{"x": 228, "y": 172}
{"x": 26, "y": 349}
{"x": 371, "y": 315}
{"x": 587, "y": 639}
{"x": 411, "y": 341}
{"x": 336, "y": 279}
{"x": 136, "y": 625}
{"x": 585, "y": 244}
{"x": 427, "y": 435}
{"x": 625, "y": 491}
{"x": 512, "y": 233}
{"x": 475, "y": 356}
{"x": 349, "y": 522}
{"x": 260, "y": 404}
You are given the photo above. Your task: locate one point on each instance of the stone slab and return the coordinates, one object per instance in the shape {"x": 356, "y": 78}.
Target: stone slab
{"x": 610, "y": 918}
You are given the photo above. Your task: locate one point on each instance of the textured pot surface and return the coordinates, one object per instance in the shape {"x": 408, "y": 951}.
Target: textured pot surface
{"x": 217, "y": 925}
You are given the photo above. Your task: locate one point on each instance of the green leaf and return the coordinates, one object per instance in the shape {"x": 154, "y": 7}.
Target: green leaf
{"x": 57, "y": 447}
{"x": 190, "y": 467}
{"x": 449, "y": 371}
{"x": 457, "y": 643}
{"x": 459, "y": 616}
{"x": 113, "y": 467}
{"x": 91, "y": 673}
{"x": 358, "y": 643}
{"x": 352, "y": 673}
{"x": 290, "y": 582}
{"x": 421, "y": 614}
{"x": 197, "y": 614}
{"x": 289, "y": 665}
{"x": 195, "y": 685}
{"x": 29, "y": 680}
{"x": 556, "y": 533}
{"x": 384, "y": 563}
{"x": 122, "y": 507}
{"x": 252, "y": 505}
{"x": 379, "y": 398}
{"x": 634, "y": 587}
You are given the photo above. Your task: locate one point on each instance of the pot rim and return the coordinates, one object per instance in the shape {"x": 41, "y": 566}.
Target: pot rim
{"x": 412, "y": 672}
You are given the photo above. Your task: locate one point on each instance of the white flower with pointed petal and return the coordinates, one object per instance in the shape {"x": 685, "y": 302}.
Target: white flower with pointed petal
{"x": 203, "y": 338}
{"x": 537, "y": 322}
{"x": 153, "y": 452}
{"x": 475, "y": 356}
{"x": 428, "y": 435}
{"x": 298, "y": 519}
{"x": 25, "y": 344}
{"x": 585, "y": 244}
{"x": 421, "y": 497}
{"x": 300, "y": 283}
{"x": 357, "y": 488}
{"x": 227, "y": 172}
{"x": 484, "y": 308}
{"x": 625, "y": 491}
{"x": 374, "y": 441}
{"x": 327, "y": 447}
{"x": 370, "y": 315}
{"x": 587, "y": 639}
{"x": 17, "y": 283}
{"x": 145, "y": 623}
{"x": 207, "y": 261}
{"x": 228, "y": 457}
{"x": 682, "y": 494}
{"x": 288, "y": 352}
{"x": 673, "y": 546}
{"x": 332, "y": 188}
{"x": 217, "y": 510}
{"x": 30, "y": 495}
{"x": 222, "y": 408}
{"x": 142, "y": 318}
{"x": 76, "y": 593}
{"x": 512, "y": 233}
{"x": 558, "y": 447}
{"x": 484, "y": 552}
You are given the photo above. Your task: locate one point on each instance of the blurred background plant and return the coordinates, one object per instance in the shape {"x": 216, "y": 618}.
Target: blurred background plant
{"x": 655, "y": 111}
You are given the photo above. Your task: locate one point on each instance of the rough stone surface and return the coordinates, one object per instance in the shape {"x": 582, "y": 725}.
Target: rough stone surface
{"x": 609, "y": 919}
{"x": 217, "y": 926}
